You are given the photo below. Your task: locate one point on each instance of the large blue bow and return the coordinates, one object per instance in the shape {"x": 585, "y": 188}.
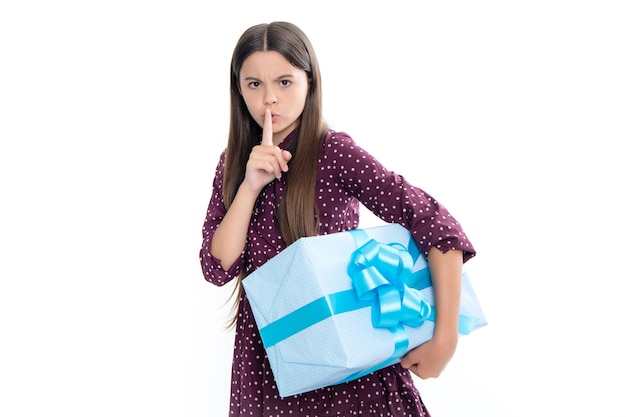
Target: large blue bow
{"x": 382, "y": 273}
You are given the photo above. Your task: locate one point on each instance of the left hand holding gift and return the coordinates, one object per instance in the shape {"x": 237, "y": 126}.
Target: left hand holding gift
{"x": 429, "y": 359}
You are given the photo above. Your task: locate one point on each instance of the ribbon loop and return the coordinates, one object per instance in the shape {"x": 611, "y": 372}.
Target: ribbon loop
{"x": 381, "y": 273}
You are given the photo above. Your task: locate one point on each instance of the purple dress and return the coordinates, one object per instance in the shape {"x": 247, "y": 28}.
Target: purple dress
{"x": 346, "y": 175}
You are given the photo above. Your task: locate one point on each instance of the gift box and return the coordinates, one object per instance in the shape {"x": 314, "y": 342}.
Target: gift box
{"x": 333, "y": 308}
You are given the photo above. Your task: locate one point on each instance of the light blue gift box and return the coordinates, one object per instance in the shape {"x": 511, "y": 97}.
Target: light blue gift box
{"x": 336, "y": 307}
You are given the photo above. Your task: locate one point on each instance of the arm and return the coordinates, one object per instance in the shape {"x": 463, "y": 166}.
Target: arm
{"x": 230, "y": 237}
{"x": 430, "y": 359}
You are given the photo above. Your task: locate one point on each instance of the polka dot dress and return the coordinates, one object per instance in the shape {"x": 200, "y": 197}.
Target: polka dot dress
{"x": 347, "y": 175}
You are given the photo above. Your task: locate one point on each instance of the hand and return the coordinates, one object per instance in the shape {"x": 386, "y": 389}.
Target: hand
{"x": 266, "y": 161}
{"x": 429, "y": 359}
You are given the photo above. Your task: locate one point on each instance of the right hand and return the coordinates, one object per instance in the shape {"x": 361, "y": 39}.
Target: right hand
{"x": 267, "y": 161}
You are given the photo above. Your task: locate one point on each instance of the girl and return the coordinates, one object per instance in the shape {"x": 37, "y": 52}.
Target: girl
{"x": 285, "y": 174}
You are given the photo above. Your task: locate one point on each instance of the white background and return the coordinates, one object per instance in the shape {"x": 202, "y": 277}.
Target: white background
{"x": 112, "y": 117}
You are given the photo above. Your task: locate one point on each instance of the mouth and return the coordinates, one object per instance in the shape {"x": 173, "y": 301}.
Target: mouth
{"x": 274, "y": 117}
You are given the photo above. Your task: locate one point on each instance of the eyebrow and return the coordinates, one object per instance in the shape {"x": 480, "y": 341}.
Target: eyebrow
{"x": 280, "y": 77}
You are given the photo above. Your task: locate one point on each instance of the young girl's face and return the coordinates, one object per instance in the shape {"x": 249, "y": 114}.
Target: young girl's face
{"x": 267, "y": 79}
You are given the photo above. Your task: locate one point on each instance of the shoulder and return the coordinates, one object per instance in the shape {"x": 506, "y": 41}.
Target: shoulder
{"x": 334, "y": 138}
{"x": 341, "y": 155}
{"x": 341, "y": 145}
{"x": 336, "y": 141}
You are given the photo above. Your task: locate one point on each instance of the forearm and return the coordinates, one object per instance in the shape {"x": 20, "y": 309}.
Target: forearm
{"x": 446, "y": 270}
{"x": 230, "y": 237}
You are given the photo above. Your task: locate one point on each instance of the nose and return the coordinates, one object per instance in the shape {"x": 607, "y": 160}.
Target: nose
{"x": 270, "y": 97}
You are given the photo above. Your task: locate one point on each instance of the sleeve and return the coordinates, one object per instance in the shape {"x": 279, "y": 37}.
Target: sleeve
{"x": 212, "y": 266}
{"x": 393, "y": 199}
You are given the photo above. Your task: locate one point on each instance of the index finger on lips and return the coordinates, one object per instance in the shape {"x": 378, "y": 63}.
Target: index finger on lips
{"x": 267, "y": 129}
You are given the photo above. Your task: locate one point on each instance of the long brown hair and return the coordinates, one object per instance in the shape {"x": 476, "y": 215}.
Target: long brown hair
{"x": 298, "y": 211}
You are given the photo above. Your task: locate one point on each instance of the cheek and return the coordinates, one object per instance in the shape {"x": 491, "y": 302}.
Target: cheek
{"x": 249, "y": 102}
{"x": 246, "y": 98}
{"x": 301, "y": 96}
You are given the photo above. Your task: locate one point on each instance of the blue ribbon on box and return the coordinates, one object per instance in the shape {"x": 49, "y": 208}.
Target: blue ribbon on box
{"x": 383, "y": 275}
{"x": 383, "y": 279}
